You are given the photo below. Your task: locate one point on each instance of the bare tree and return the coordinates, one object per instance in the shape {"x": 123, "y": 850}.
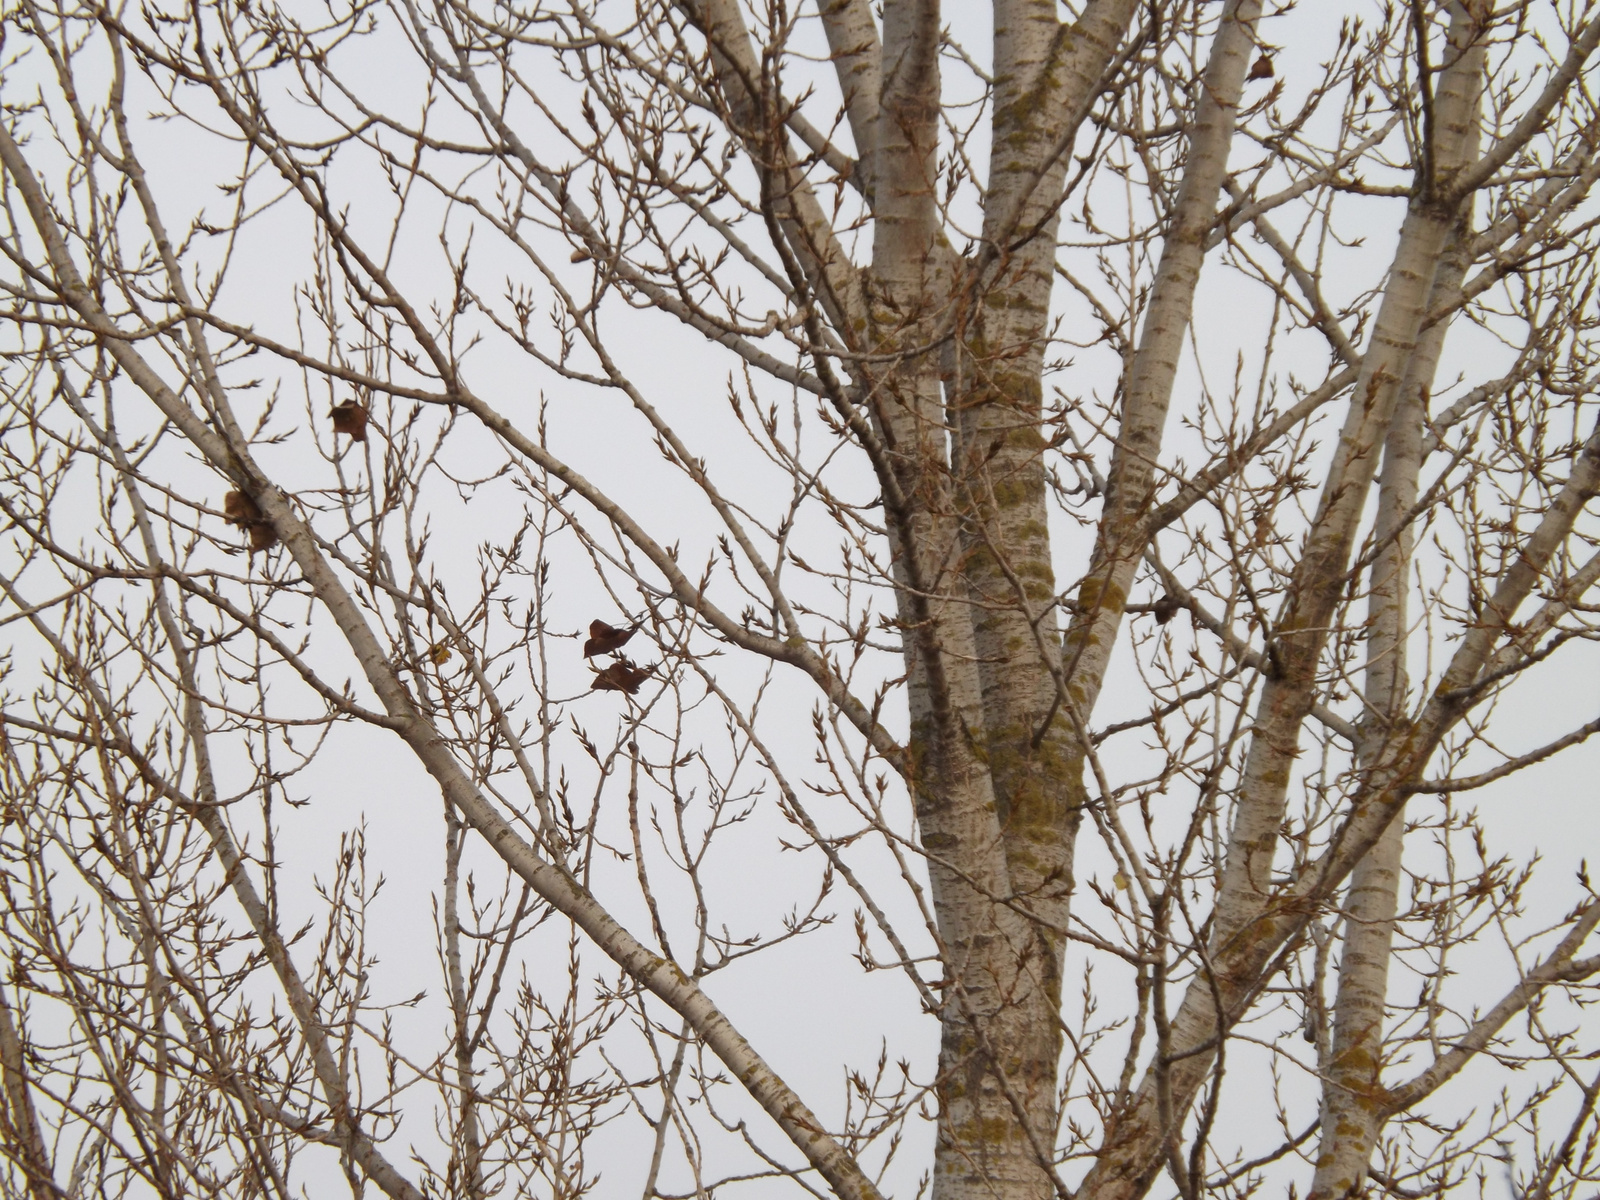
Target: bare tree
{"x": 479, "y": 435}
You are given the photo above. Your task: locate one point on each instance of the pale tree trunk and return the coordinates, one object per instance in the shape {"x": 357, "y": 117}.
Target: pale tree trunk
{"x": 1042, "y": 71}
{"x": 1037, "y": 759}
{"x": 21, "y": 1120}
{"x": 985, "y": 945}
{"x": 1354, "y": 1102}
{"x": 468, "y": 1164}
{"x": 931, "y": 363}
{"x": 981, "y": 683}
{"x": 1120, "y": 539}
{"x": 1245, "y": 923}
{"x": 852, "y": 34}
{"x": 1045, "y": 73}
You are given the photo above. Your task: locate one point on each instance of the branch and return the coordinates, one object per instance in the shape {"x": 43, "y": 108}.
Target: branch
{"x": 1555, "y": 90}
{"x": 554, "y": 884}
{"x": 1558, "y": 967}
{"x": 857, "y": 61}
{"x": 1466, "y": 784}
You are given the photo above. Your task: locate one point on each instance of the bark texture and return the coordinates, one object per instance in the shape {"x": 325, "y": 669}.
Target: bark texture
{"x": 705, "y": 171}
{"x": 1252, "y": 912}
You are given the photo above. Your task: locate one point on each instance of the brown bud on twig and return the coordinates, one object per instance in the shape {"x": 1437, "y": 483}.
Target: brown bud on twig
{"x": 350, "y": 418}
{"x": 607, "y": 639}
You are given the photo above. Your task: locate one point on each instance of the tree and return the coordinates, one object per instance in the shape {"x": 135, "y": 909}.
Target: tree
{"x": 1210, "y": 471}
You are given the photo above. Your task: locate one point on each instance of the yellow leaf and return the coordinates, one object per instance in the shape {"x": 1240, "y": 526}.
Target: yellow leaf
{"x": 1121, "y": 881}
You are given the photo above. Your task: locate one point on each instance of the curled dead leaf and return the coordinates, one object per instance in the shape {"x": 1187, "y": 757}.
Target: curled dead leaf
{"x": 607, "y": 639}
{"x": 241, "y": 510}
{"x": 350, "y": 418}
{"x": 621, "y": 676}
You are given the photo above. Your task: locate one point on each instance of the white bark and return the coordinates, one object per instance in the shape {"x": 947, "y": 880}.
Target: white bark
{"x": 857, "y": 58}
{"x": 1121, "y": 537}
{"x": 931, "y": 370}
{"x": 1353, "y": 1096}
{"x": 985, "y": 946}
{"x": 1246, "y": 924}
